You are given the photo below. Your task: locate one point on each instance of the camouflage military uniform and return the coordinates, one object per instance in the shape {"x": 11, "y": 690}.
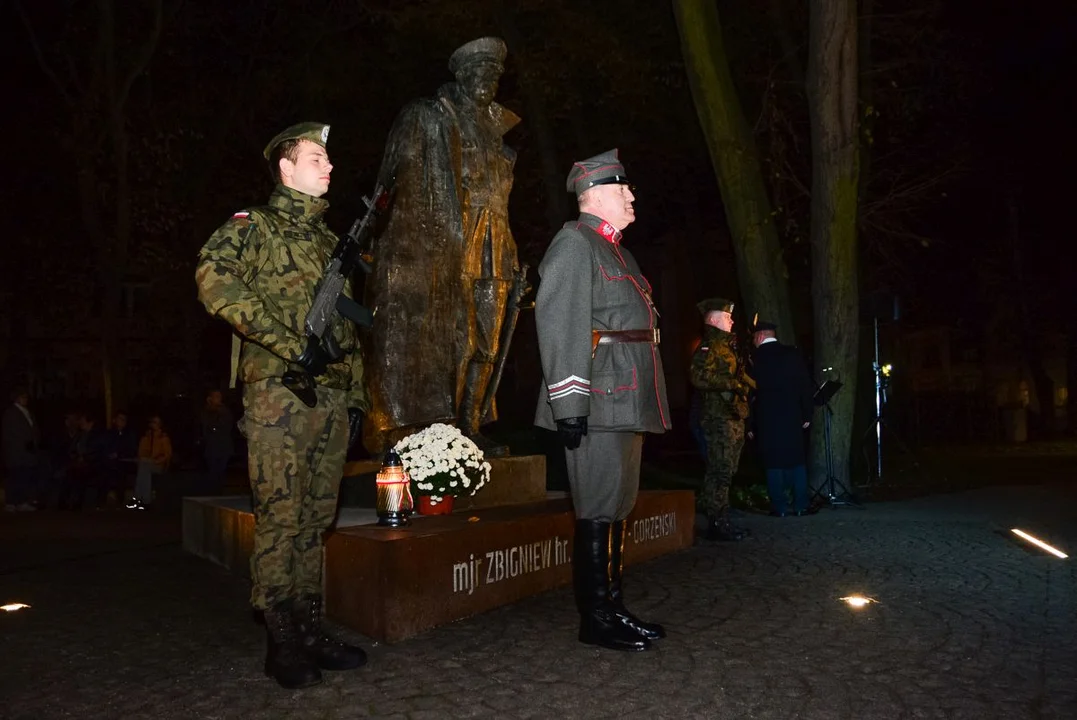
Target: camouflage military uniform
{"x": 259, "y": 272}
{"x": 716, "y": 371}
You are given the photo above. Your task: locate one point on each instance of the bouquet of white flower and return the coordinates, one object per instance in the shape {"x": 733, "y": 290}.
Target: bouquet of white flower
{"x": 441, "y": 461}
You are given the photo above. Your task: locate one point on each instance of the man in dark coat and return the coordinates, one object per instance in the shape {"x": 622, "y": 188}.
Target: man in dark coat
{"x": 603, "y": 388}
{"x": 20, "y": 452}
{"x": 781, "y": 413}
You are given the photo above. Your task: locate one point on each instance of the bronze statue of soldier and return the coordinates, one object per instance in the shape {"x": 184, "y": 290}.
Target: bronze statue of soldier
{"x": 446, "y": 262}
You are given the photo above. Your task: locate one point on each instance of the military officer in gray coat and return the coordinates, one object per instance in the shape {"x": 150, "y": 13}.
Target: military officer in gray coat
{"x": 603, "y": 388}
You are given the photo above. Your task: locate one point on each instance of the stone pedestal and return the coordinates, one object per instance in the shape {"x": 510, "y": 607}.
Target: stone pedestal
{"x": 391, "y": 584}
{"x": 510, "y": 541}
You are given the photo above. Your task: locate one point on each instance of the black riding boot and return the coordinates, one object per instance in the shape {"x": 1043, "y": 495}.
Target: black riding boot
{"x": 599, "y": 623}
{"x": 329, "y": 653}
{"x": 286, "y": 662}
{"x": 649, "y": 630}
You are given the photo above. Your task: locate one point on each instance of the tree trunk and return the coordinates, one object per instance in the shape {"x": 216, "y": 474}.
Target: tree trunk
{"x": 99, "y": 111}
{"x": 832, "y": 104}
{"x": 760, "y": 268}
{"x": 867, "y": 92}
{"x": 1031, "y": 335}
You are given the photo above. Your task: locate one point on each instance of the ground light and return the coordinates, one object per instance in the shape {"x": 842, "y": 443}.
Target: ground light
{"x": 12, "y": 607}
{"x": 857, "y": 601}
{"x": 1039, "y": 543}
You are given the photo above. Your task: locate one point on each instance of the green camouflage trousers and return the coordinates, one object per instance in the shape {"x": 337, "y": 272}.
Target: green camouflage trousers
{"x": 296, "y": 458}
{"x": 725, "y": 439}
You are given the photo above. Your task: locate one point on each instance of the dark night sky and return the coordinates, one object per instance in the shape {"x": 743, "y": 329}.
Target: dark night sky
{"x": 1019, "y": 57}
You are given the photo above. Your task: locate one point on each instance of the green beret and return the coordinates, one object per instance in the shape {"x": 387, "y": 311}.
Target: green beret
{"x": 604, "y": 169}
{"x": 317, "y": 133}
{"x": 484, "y": 50}
{"x": 714, "y": 305}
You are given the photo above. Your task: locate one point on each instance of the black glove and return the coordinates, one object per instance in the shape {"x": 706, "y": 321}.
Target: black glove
{"x": 355, "y": 425}
{"x": 572, "y": 431}
{"x": 314, "y": 358}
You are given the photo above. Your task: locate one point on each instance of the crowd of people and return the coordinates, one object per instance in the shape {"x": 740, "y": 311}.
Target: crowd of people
{"x": 79, "y": 462}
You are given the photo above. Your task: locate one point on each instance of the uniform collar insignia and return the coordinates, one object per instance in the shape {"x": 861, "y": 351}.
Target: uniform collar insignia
{"x": 603, "y": 228}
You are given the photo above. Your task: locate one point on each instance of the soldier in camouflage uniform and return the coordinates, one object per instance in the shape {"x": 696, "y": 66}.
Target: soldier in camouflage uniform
{"x": 719, "y": 373}
{"x": 259, "y": 272}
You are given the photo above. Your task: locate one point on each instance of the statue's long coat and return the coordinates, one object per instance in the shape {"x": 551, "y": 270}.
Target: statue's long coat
{"x": 446, "y": 247}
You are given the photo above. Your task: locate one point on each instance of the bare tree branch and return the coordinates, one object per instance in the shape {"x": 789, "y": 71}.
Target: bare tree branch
{"x": 142, "y": 60}
{"x": 41, "y": 61}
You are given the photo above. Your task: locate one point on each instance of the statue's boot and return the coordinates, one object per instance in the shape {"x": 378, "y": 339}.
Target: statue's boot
{"x": 478, "y": 377}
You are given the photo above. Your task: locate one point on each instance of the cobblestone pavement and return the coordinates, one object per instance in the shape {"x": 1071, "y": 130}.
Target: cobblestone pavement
{"x": 968, "y": 624}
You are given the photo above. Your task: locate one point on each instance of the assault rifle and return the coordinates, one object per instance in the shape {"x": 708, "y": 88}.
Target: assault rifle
{"x": 742, "y": 363}
{"x": 351, "y": 252}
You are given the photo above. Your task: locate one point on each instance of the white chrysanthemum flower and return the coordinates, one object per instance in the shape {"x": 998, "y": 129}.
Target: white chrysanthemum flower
{"x": 441, "y": 461}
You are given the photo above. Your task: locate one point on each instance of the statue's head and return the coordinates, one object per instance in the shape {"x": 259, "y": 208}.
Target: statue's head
{"x": 478, "y": 66}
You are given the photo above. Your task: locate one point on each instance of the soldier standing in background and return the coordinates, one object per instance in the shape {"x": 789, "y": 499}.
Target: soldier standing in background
{"x": 719, "y": 373}
{"x": 259, "y": 272}
{"x": 603, "y": 389}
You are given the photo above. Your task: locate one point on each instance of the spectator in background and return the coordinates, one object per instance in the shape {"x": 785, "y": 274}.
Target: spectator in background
{"x": 20, "y": 446}
{"x": 87, "y": 466}
{"x": 217, "y": 446}
{"x": 154, "y": 457}
{"x": 63, "y": 449}
{"x": 782, "y": 412}
{"x": 121, "y": 453}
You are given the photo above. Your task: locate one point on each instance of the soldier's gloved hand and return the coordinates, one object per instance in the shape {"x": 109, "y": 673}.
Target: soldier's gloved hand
{"x": 314, "y": 358}
{"x": 572, "y": 431}
{"x": 355, "y": 425}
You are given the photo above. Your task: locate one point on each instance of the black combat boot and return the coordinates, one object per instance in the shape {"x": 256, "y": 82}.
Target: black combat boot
{"x": 649, "y": 630}
{"x": 327, "y": 652}
{"x": 478, "y": 377}
{"x": 720, "y": 529}
{"x": 599, "y": 623}
{"x": 286, "y": 662}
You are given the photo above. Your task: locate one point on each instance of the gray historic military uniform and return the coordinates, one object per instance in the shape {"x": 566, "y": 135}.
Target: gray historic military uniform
{"x": 591, "y": 283}
{"x": 598, "y": 339}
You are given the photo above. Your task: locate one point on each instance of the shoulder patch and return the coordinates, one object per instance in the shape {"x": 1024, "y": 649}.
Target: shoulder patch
{"x": 243, "y": 219}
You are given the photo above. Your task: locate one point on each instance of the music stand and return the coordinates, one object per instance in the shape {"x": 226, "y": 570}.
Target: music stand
{"x": 822, "y": 397}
